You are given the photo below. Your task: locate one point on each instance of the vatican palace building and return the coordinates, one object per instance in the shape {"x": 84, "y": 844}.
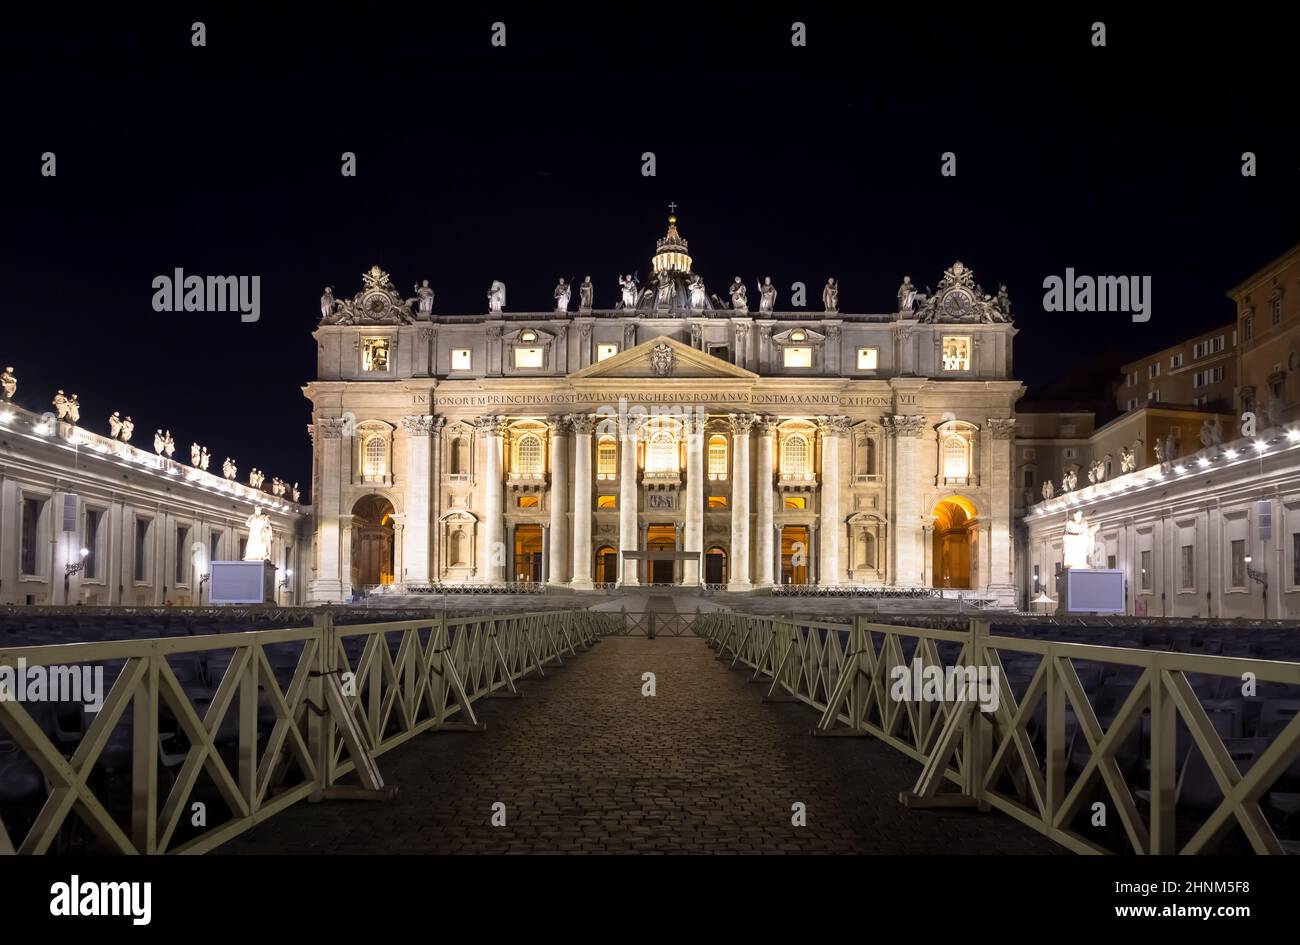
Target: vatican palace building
{"x": 664, "y": 433}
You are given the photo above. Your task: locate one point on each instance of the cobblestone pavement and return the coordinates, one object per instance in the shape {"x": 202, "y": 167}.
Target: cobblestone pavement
{"x": 586, "y": 763}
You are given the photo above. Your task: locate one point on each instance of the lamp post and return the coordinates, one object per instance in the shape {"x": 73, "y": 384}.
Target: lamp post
{"x": 71, "y": 568}
{"x": 1261, "y": 578}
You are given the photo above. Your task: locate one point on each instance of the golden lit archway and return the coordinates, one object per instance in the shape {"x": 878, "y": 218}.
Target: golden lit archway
{"x": 372, "y": 541}
{"x": 955, "y": 543}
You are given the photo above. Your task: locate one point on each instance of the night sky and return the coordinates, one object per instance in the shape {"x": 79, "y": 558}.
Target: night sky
{"x": 524, "y": 164}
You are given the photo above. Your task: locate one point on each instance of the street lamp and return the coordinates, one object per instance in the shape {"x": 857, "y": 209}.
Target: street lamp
{"x": 71, "y": 568}
{"x": 1261, "y": 578}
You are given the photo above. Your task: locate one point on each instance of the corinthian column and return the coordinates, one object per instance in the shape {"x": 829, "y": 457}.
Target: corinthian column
{"x": 581, "y": 502}
{"x": 328, "y": 511}
{"x": 492, "y": 556}
{"x": 419, "y": 479}
{"x": 627, "y": 517}
{"x": 833, "y": 430}
{"x": 557, "y": 572}
{"x": 739, "y": 576}
{"x": 693, "y": 536}
{"x": 764, "y": 429}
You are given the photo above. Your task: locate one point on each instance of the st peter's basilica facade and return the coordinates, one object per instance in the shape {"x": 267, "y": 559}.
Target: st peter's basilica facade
{"x": 675, "y": 438}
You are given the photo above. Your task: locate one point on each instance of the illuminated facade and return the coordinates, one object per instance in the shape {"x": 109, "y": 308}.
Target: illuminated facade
{"x": 673, "y": 438}
{"x": 148, "y": 524}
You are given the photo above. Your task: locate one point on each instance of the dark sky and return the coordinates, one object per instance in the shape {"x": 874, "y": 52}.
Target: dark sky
{"x": 523, "y": 164}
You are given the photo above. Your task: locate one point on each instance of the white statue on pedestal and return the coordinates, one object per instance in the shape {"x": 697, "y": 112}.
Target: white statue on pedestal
{"x": 8, "y": 383}
{"x": 497, "y": 297}
{"x": 114, "y": 425}
{"x": 766, "y": 295}
{"x": 739, "y": 296}
{"x": 74, "y": 409}
{"x": 563, "y": 292}
{"x": 158, "y": 442}
{"x": 831, "y": 296}
{"x": 699, "y": 298}
{"x": 196, "y": 454}
{"x": 229, "y": 469}
{"x": 1076, "y": 546}
{"x": 628, "y": 287}
{"x": 259, "y": 536}
{"x": 128, "y": 427}
{"x": 61, "y": 405}
{"x": 204, "y": 459}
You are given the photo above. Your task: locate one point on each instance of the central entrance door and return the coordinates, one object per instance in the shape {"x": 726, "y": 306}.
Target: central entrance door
{"x": 715, "y": 566}
{"x": 954, "y": 553}
{"x": 528, "y": 553}
{"x": 661, "y": 538}
{"x": 794, "y": 554}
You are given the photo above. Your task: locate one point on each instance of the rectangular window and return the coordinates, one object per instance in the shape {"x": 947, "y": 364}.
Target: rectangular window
{"x": 1069, "y": 452}
{"x": 798, "y": 357}
{"x": 800, "y": 502}
{"x": 1069, "y": 429}
{"x": 30, "y": 537}
{"x": 214, "y": 546}
{"x": 1276, "y": 309}
{"x": 1145, "y": 559}
{"x": 141, "y": 563}
{"x": 243, "y": 547}
{"x": 1187, "y": 569}
{"x": 1176, "y": 360}
{"x": 182, "y": 555}
{"x": 94, "y": 518}
{"x": 1110, "y": 562}
{"x": 717, "y": 501}
{"x": 1132, "y": 403}
{"x": 1247, "y": 328}
{"x": 722, "y": 352}
{"x": 956, "y": 353}
{"x": 460, "y": 359}
{"x": 529, "y": 357}
{"x": 607, "y": 459}
{"x": 1153, "y": 370}
{"x": 1029, "y": 479}
{"x": 374, "y": 354}
{"x": 605, "y": 351}
{"x": 1239, "y": 562}
{"x": 606, "y": 501}
{"x": 868, "y": 358}
{"x": 529, "y": 502}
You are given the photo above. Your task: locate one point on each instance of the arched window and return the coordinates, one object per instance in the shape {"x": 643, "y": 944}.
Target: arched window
{"x": 717, "y": 456}
{"x": 607, "y": 458}
{"x": 375, "y": 459}
{"x": 460, "y": 456}
{"x": 528, "y": 460}
{"x": 956, "y": 457}
{"x": 661, "y": 457}
{"x": 794, "y": 457}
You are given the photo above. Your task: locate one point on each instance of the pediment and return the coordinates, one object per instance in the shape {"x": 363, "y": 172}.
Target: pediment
{"x": 664, "y": 358}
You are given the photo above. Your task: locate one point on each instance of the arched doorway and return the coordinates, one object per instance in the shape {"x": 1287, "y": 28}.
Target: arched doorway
{"x": 372, "y": 541}
{"x": 794, "y": 554}
{"x": 528, "y": 554}
{"x": 606, "y": 569}
{"x": 955, "y": 535}
{"x": 715, "y": 566}
{"x": 661, "y": 538}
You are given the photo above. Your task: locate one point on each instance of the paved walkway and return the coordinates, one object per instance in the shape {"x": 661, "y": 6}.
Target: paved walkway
{"x": 585, "y": 763}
